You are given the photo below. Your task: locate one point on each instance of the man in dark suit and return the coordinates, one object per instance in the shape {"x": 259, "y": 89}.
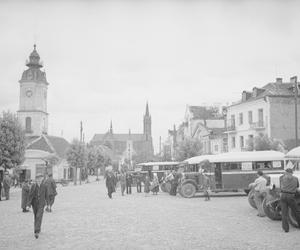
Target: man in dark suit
{"x": 51, "y": 192}
{"x": 37, "y": 199}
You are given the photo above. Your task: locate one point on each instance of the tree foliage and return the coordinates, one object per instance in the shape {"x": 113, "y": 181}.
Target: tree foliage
{"x": 98, "y": 157}
{"x": 188, "y": 148}
{"x": 262, "y": 142}
{"x": 12, "y": 141}
{"x": 77, "y": 154}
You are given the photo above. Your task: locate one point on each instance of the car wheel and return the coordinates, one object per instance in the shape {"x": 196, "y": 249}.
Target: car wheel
{"x": 272, "y": 208}
{"x": 163, "y": 187}
{"x": 168, "y": 187}
{"x": 251, "y": 199}
{"x": 188, "y": 190}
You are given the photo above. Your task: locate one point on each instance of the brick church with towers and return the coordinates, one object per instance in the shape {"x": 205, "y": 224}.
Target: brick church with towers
{"x": 33, "y": 117}
{"x": 128, "y": 147}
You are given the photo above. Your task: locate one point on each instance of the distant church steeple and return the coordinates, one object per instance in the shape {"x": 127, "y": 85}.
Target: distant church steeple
{"x": 111, "y": 127}
{"x": 147, "y": 123}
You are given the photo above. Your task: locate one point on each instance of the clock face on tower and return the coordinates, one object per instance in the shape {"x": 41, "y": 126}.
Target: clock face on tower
{"x": 29, "y": 93}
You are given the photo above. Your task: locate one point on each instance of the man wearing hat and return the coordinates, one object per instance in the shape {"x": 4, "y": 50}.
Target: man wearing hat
{"x": 37, "y": 199}
{"x": 288, "y": 189}
{"x": 6, "y": 185}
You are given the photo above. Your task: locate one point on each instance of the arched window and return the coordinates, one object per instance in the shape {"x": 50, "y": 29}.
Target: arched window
{"x": 28, "y": 125}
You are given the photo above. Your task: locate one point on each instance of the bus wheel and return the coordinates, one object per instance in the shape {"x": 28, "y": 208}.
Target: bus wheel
{"x": 291, "y": 216}
{"x": 188, "y": 190}
{"x": 272, "y": 208}
{"x": 251, "y": 199}
{"x": 168, "y": 187}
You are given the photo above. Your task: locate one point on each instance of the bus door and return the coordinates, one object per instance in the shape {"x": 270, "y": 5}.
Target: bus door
{"x": 218, "y": 176}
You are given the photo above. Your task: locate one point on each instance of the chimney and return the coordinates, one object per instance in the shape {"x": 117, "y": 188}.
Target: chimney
{"x": 246, "y": 95}
{"x": 293, "y": 79}
{"x": 278, "y": 80}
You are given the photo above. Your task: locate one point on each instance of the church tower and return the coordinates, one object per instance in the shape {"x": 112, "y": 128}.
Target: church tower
{"x": 147, "y": 124}
{"x": 32, "y": 111}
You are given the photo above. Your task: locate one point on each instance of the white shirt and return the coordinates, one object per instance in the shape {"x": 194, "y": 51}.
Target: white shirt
{"x": 260, "y": 184}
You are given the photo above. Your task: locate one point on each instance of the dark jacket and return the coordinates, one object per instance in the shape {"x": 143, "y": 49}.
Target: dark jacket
{"x": 6, "y": 182}
{"x": 25, "y": 195}
{"x": 51, "y": 186}
{"x": 288, "y": 183}
{"x": 38, "y": 195}
{"x": 110, "y": 183}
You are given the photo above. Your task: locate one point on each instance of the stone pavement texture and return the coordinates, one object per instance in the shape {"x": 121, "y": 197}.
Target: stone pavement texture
{"x": 84, "y": 218}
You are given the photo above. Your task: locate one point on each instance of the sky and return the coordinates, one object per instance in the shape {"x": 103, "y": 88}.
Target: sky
{"x": 105, "y": 59}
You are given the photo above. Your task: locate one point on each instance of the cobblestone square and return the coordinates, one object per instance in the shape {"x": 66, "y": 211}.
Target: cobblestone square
{"x": 84, "y": 218}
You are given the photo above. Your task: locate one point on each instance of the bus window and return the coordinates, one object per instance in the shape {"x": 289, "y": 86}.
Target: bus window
{"x": 262, "y": 165}
{"x": 228, "y": 166}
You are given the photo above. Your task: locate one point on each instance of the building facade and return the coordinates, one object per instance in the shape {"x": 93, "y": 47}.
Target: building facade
{"x": 269, "y": 110}
{"x": 127, "y": 147}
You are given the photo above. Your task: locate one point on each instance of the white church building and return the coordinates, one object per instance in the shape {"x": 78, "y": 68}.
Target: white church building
{"x": 41, "y": 149}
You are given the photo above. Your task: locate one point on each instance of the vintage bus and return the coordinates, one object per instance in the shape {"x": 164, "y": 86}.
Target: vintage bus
{"x": 161, "y": 169}
{"x": 232, "y": 171}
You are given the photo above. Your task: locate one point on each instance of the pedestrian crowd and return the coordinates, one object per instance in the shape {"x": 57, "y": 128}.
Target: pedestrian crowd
{"x": 150, "y": 181}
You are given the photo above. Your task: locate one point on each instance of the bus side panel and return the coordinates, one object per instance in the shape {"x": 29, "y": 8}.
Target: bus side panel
{"x": 237, "y": 180}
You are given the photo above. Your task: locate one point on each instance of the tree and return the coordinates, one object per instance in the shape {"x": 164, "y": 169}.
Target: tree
{"x": 97, "y": 159}
{"x": 12, "y": 141}
{"x": 262, "y": 142}
{"x": 77, "y": 157}
{"x": 188, "y": 148}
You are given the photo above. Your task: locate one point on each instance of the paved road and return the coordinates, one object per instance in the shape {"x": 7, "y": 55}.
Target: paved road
{"x": 84, "y": 218}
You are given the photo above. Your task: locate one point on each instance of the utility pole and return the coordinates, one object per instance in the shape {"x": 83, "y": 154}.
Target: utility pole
{"x": 81, "y": 149}
{"x": 160, "y": 146}
{"x": 294, "y": 80}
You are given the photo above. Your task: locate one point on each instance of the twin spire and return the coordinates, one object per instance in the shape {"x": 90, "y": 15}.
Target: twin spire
{"x": 147, "y": 114}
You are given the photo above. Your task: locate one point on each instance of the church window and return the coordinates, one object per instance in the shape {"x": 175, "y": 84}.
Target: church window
{"x": 28, "y": 125}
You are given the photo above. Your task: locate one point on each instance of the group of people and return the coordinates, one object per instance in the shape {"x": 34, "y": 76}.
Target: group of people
{"x": 126, "y": 181}
{"x": 51, "y": 193}
{"x": 37, "y": 194}
{"x": 289, "y": 185}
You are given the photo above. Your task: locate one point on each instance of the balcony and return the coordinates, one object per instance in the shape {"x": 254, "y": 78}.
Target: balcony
{"x": 257, "y": 125}
{"x": 230, "y": 128}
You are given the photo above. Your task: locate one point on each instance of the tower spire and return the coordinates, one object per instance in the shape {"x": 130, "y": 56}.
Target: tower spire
{"x": 111, "y": 127}
{"x": 147, "y": 109}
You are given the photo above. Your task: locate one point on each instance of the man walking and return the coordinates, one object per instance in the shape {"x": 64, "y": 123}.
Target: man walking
{"x": 25, "y": 195}
{"x": 37, "y": 199}
{"x": 128, "y": 183}
{"x": 259, "y": 185}
{"x": 138, "y": 183}
{"x": 123, "y": 182}
{"x": 6, "y": 185}
{"x": 288, "y": 189}
{"x": 110, "y": 183}
{"x": 51, "y": 192}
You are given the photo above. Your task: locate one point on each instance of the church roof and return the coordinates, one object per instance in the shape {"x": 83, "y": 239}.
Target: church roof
{"x": 51, "y": 144}
{"x": 118, "y": 137}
